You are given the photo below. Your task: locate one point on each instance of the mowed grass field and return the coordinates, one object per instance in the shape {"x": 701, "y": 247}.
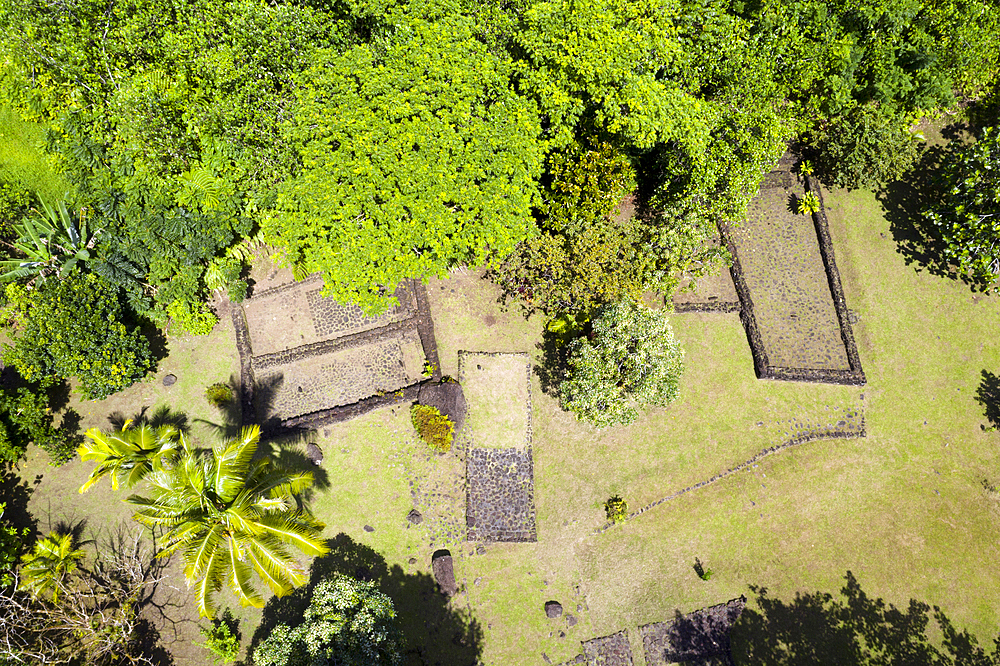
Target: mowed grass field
{"x": 904, "y": 508}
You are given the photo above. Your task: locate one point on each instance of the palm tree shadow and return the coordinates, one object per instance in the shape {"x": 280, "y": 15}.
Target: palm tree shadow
{"x": 241, "y": 411}
{"x": 988, "y": 395}
{"x": 823, "y": 630}
{"x": 434, "y": 632}
{"x": 161, "y": 416}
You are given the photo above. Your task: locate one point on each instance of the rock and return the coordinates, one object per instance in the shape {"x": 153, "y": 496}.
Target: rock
{"x": 562, "y": 634}
{"x": 448, "y": 398}
{"x": 369, "y": 528}
{"x": 170, "y": 380}
{"x": 553, "y": 609}
{"x": 546, "y": 658}
{"x": 570, "y": 620}
{"x": 414, "y": 517}
{"x": 444, "y": 572}
{"x": 413, "y": 560}
{"x": 314, "y": 453}
{"x": 480, "y": 549}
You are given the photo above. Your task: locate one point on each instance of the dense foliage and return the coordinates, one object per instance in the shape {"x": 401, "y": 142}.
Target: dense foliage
{"x": 630, "y": 358}
{"x": 73, "y": 328}
{"x": 348, "y": 622}
{"x": 25, "y": 418}
{"x": 376, "y": 140}
{"x": 967, "y": 215}
{"x": 11, "y": 544}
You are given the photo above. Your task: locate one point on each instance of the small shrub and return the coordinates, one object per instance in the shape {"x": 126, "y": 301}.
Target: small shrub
{"x": 222, "y": 639}
{"x": 219, "y": 394}
{"x": 434, "y": 428}
{"x": 808, "y": 204}
{"x": 617, "y": 509}
{"x": 703, "y": 573}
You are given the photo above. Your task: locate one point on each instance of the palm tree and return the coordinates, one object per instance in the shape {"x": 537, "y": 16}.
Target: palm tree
{"x": 129, "y": 454}
{"x": 43, "y": 569}
{"x": 230, "y": 515}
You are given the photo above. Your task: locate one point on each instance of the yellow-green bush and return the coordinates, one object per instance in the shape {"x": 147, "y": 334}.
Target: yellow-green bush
{"x": 433, "y": 427}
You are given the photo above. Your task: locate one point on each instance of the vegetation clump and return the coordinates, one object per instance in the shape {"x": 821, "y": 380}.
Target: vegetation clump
{"x": 436, "y": 429}
{"x": 219, "y": 394}
{"x": 348, "y": 622}
{"x": 616, "y": 509}
{"x": 222, "y": 638}
{"x": 73, "y": 328}
{"x": 967, "y": 216}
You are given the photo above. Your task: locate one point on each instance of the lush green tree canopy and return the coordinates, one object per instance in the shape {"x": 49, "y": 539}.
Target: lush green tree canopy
{"x": 348, "y": 622}
{"x": 629, "y": 359}
{"x": 376, "y": 140}
{"x": 967, "y": 216}
{"x": 427, "y": 161}
{"x": 73, "y": 328}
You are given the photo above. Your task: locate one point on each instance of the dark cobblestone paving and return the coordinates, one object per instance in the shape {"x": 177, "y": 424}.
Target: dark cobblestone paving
{"x": 610, "y": 650}
{"x": 332, "y": 319}
{"x": 699, "y": 638}
{"x": 785, "y": 275}
{"x": 501, "y": 502}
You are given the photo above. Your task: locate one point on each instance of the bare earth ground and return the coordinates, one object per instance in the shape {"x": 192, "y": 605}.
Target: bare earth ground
{"x": 903, "y": 509}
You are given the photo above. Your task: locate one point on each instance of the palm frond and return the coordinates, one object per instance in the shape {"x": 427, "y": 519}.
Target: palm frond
{"x": 239, "y": 578}
{"x": 294, "y": 532}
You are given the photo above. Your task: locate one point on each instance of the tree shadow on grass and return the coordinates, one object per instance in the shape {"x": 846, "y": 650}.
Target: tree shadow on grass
{"x": 904, "y": 201}
{"x": 15, "y": 494}
{"x": 820, "y": 629}
{"x": 988, "y": 395}
{"x": 434, "y": 633}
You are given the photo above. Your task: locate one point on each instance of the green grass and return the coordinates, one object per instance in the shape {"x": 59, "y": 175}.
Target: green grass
{"x": 904, "y": 508}
{"x": 22, "y": 160}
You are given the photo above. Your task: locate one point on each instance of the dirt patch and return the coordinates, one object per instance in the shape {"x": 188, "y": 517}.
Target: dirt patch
{"x": 496, "y": 386}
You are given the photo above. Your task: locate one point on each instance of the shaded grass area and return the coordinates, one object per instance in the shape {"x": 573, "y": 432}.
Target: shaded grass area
{"x": 22, "y": 160}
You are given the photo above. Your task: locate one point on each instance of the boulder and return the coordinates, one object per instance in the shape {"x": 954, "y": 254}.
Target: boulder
{"x": 444, "y": 572}
{"x": 449, "y": 399}
{"x": 314, "y": 453}
{"x": 414, "y": 517}
{"x": 553, "y": 609}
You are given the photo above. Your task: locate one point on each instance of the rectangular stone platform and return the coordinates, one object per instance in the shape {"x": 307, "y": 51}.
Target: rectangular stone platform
{"x": 501, "y": 499}
{"x": 791, "y": 300}
{"x": 296, "y": 315}
{"x": 340, "y": 377}
{"x": 613, "y": 650}
{"x": 700, "y": 638}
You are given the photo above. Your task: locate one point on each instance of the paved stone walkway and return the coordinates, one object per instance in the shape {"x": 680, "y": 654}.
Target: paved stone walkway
{"x": 497, "y": 434}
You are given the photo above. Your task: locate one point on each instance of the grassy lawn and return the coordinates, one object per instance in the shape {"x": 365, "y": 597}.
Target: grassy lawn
{"x": 903, "y": 509}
